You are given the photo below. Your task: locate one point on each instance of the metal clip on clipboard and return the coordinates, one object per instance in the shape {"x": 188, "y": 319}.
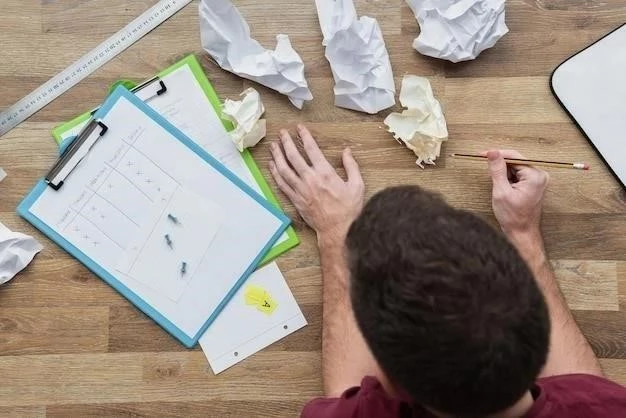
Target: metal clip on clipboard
{"x": 146, "y": 90}
{"x": 91, "y": 133}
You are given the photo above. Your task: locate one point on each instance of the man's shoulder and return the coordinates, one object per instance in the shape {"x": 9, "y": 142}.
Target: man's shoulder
{"x": 574, "y": 395}
{"x": 578, "y": 395}
{"x": 366, "y": 401}
{"x": 579, "y": 383}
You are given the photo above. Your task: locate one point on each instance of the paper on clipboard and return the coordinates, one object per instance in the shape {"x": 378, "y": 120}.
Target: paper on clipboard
{"x": 186, "y": 106}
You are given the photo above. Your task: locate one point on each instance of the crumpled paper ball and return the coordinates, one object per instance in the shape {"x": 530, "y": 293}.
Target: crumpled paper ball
{"x": 422, "y": 125}
{"x": 458, "y": 30}
{"x": 245, "y": 115}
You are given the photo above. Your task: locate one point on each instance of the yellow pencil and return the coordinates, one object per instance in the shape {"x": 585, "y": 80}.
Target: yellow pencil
{"x": 519, "y": 161}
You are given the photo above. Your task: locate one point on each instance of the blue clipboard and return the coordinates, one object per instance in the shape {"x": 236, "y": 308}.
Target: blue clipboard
{"x": 189, "y": 341}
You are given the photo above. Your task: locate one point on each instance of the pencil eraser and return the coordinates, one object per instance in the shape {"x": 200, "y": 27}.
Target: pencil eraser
{"x": 586, "y": 167}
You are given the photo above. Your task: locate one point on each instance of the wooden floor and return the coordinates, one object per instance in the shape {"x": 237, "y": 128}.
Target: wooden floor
{"x": 71, "y": 346}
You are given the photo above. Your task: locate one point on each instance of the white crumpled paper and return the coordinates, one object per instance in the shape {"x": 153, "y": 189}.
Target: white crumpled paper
{"x": 458, "y": 30}
{"x": 422, "y": 126}
{"x": 16, "y": 252}
{"x": 226, "y": 37}
{"x": 245, "y": 114}
{"x": 358, "y": 57}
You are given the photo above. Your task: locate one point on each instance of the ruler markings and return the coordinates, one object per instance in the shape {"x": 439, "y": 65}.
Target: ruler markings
{"x": 88, "y": 63}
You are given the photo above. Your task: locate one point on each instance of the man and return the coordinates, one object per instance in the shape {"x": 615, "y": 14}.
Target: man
{"x": 452, "y": 317}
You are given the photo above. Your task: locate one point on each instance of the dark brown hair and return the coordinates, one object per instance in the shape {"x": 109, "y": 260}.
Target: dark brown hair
{"x": 446, "y": 304}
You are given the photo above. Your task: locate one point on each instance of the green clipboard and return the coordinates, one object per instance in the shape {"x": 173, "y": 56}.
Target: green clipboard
{"x": 292, "y": 239}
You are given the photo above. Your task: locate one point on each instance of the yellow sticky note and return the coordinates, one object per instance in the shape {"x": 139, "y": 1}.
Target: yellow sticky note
{"x": 257, "y": 296}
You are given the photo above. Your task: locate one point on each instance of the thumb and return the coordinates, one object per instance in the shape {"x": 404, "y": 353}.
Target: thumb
{"x": 498, "y": 170}
{"x": 351, "y": 166}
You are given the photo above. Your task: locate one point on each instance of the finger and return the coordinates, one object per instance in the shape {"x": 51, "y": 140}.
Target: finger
{"x": 351, "y": 167}
{"x": 283, "y": 168}
{"x": 498, "y": 171}
{"x": 507, "y": 153}
{"x": 512, "y": 168}
{"x": 311, "y": 148}
{"x": 293, "y": 155}
{"x": 511, "y": 153}
{"x": 523, "y": 173}
{"x": 532, "y": 175}
{"x": 280, "y": 181}
{"x": 512, "y": 173}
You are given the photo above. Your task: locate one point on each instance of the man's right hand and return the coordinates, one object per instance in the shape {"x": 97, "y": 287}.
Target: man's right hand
{"x": 518, "y": 193}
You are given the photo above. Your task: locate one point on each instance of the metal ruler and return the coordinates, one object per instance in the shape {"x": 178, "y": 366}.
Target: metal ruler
{"x": 89, "y": 63}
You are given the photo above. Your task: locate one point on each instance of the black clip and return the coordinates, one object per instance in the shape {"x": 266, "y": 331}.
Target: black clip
{"x": 75, "y": 153}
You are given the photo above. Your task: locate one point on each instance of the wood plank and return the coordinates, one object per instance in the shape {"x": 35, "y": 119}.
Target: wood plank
{"x": 75, "y": 378}
{"x": 58, "y": 282}
{"x": 164, "y": 374}
{"x": 621, "y": 274}
{"x": 154, "y": 377}
{"x": 494, "y": 100}
{"x": 605, "y": 332}
{"x": 588, "y": 285}
{"x": 22, "y": 17}
{"x": 586, "y": 237}
{"x": 53, "y": 330}
{"x": 212, "y": 408}
{"x": 615, "y": 369}
{"x": 23, "y": 412}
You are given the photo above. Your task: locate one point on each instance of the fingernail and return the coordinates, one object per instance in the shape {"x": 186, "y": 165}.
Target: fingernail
{"x": 493, "y": 155}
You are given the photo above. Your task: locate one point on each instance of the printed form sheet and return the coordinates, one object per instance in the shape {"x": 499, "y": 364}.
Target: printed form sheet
{"x": 115, "y": 208}
{"x": 185, "y": 106}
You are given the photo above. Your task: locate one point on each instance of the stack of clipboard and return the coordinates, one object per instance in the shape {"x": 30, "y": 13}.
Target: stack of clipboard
{"x": 152, "y": 196}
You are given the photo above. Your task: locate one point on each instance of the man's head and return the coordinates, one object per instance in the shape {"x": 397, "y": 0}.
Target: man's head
{"x": 446, "y": 304}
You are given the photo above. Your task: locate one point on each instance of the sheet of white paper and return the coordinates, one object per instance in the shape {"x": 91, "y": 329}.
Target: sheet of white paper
{"x": 458, "y": 30}
{"x": 186, "y": 106}
{"x": 190, "y": 237}
{"x": 358, "y": 57}
{"x": 16, "y": 251}
{"x": 241, "y": 330}
{"x": 128, "y": 199}
{"x": 3, "y": 174}
{"x": 226, "y": 37}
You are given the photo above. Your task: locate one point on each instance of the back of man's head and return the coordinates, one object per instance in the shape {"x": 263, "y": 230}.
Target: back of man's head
{"x": 446, "y": 304}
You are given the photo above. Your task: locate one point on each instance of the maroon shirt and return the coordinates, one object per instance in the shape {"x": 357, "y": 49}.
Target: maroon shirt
{"x": 572, "y": 396}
